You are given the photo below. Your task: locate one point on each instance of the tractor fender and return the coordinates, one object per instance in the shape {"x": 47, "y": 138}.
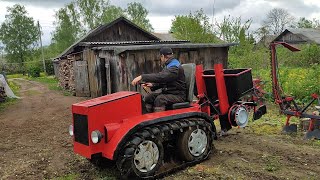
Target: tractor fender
{"x": 128, "y": 135}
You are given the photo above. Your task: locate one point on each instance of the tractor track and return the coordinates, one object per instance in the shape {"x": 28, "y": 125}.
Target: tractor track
{"x": 165, "y": 132}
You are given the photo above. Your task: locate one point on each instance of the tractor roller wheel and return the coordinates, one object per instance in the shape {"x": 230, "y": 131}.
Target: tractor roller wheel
{"x": 147, "y": 158}
{"x": 142, "y": 158}
{"x": 194, "y": 144}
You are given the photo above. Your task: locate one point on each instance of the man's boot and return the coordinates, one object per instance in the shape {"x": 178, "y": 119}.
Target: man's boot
{"x": 159, "y": 109}
{"x": 149, "y": 108}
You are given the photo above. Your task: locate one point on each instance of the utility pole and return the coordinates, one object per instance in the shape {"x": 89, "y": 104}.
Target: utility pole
{"x": 44, "y": 63}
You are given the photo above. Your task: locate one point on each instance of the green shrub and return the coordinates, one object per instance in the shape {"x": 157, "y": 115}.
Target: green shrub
{"x": 297, "y": 82}
{"x": 34, "y": 71}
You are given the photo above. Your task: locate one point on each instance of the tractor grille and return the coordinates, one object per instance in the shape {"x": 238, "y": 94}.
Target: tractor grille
{"x": 81, "y": 129}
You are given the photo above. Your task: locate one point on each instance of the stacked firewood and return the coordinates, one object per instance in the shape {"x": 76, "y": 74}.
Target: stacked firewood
{"x": 66, "y": 74}
{"x": 2, "y": 93}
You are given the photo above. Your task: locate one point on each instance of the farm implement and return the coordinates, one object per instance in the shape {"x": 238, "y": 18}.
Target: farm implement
{"x": 288, "y": 105}
{"x": 150, "y": 145}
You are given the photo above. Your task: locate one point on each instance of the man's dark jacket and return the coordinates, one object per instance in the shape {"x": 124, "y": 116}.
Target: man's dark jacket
{"x": 171, "y": 79}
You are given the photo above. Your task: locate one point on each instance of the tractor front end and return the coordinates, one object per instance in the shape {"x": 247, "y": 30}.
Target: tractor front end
{"x": 95, "y": 121}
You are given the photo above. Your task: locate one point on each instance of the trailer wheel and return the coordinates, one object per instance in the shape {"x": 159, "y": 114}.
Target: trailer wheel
{"x": 194, "y": 144}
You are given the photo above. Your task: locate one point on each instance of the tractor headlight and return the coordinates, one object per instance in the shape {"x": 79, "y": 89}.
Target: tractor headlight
{"x": 96, "y": 136}
{"x": 71, "y": 130}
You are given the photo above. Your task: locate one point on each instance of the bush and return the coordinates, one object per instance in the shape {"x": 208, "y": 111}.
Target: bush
{"x": 34, "y": 71}
{"x": 49, "y": 67}
{"x": 297, "y": 82}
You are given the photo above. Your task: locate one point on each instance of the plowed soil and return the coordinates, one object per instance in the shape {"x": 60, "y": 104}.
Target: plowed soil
{"x": 35, "y": 144}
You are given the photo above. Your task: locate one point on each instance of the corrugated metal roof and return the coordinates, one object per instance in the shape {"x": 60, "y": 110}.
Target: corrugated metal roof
{"x": 311, "y": 34}
{"x": 120, "y": 49}
{"x": 307, "y": 34}
{"x": 129, "y": 43}
{"x": 165, "y": 36}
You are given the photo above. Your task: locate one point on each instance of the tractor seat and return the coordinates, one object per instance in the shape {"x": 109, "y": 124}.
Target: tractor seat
{"x": 189, "y": 73}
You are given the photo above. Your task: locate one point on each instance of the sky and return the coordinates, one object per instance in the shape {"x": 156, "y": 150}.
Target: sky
{"x": 162, "y": 12}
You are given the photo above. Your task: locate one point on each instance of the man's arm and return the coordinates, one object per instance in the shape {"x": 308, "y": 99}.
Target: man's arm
{"x": 164, "y": 76}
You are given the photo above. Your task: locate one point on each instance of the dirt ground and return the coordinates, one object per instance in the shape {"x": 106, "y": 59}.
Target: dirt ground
{"x": 35, "y": 144}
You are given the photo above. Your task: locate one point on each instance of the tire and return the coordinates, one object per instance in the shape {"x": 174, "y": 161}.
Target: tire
{"x": 143, "y": 159}
{"x": 194, "y": 144}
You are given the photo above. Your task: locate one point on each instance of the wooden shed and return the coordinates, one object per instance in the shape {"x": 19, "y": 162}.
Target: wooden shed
{"x": 110, "y": 69}
{"x": 120, "y": 30}
{"x": 108, "y": 58}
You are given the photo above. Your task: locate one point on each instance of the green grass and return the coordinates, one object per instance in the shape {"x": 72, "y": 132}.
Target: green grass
{"x": 7, "y": 103}
{"x": 10, "y": 101}
{"x": 272, "y": 163}
{"x": 67, "y": 177}
{"x": 51, "y": 81}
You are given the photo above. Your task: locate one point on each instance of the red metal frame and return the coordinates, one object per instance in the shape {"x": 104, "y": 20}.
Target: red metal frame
{"x": 221, "y": 89}
{"x": 285, "y": 103}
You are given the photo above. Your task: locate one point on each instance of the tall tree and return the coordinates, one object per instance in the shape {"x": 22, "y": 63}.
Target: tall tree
{"x": 67, "y": 29}
{"x": 277, "y": 20}
{"x": 111, "y": 13}
{"x": 193, "y": 27}
{"x": 230, "y": 28}
{"x": 138, "y": 15}
{"x": 78, "y": 17}
{"x": 306, "y": 23}
{"x": 19, "y": 34}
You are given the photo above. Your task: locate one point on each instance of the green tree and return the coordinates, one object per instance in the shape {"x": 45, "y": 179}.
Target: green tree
{"x": 278, "y": 20}
{"x": 67, "y": 29}
{"x": 111, "y": 13}
{"x": 78, "y": 17}
{"x": 138, "y": 15}
{"x": 230, "y": 28}
{"x": 19, "y": 34}
{"x": 306, "y": 23}
{"x": 193, "y": 27}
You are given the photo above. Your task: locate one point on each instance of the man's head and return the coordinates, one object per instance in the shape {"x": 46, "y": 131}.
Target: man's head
{"x": 165, "y": 54}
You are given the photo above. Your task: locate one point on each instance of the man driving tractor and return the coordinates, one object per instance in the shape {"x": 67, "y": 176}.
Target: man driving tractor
{"x": 171, "y": 80}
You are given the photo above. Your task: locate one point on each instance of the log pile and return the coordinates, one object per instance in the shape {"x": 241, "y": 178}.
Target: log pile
{"x": 2, "y": 93}
{"x": 66, "y": 74}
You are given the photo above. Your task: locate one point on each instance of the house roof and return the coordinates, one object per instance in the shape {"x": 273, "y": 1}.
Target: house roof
{"x": 165, "y": 36}
{"x": 101, "y": 28}
{"x": 120, "y": 49}
{"x": 127, "y": 43}
{"x": 307, "y": 34}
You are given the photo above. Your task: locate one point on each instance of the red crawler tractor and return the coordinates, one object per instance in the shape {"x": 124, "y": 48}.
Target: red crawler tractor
{"x": 115, "y": 127}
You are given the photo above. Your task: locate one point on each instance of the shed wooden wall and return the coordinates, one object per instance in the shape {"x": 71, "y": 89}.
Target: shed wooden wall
{"x": 127, "y": 65}
{"x": 56, "y": 69}
{"x": 292, "y": 38}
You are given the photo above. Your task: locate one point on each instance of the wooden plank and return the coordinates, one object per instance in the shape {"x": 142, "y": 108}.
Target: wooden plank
{"x": 114, "y": 74}
{"x": 108, "y": 78}
{"x": 89, "y": 56}
{"x": 131, "y": 68}
{"x": 81, "y": 79}
{"x": 183, "y": 57}
{"x": 194, "y": 57}
{"x": 123, "y": 69}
